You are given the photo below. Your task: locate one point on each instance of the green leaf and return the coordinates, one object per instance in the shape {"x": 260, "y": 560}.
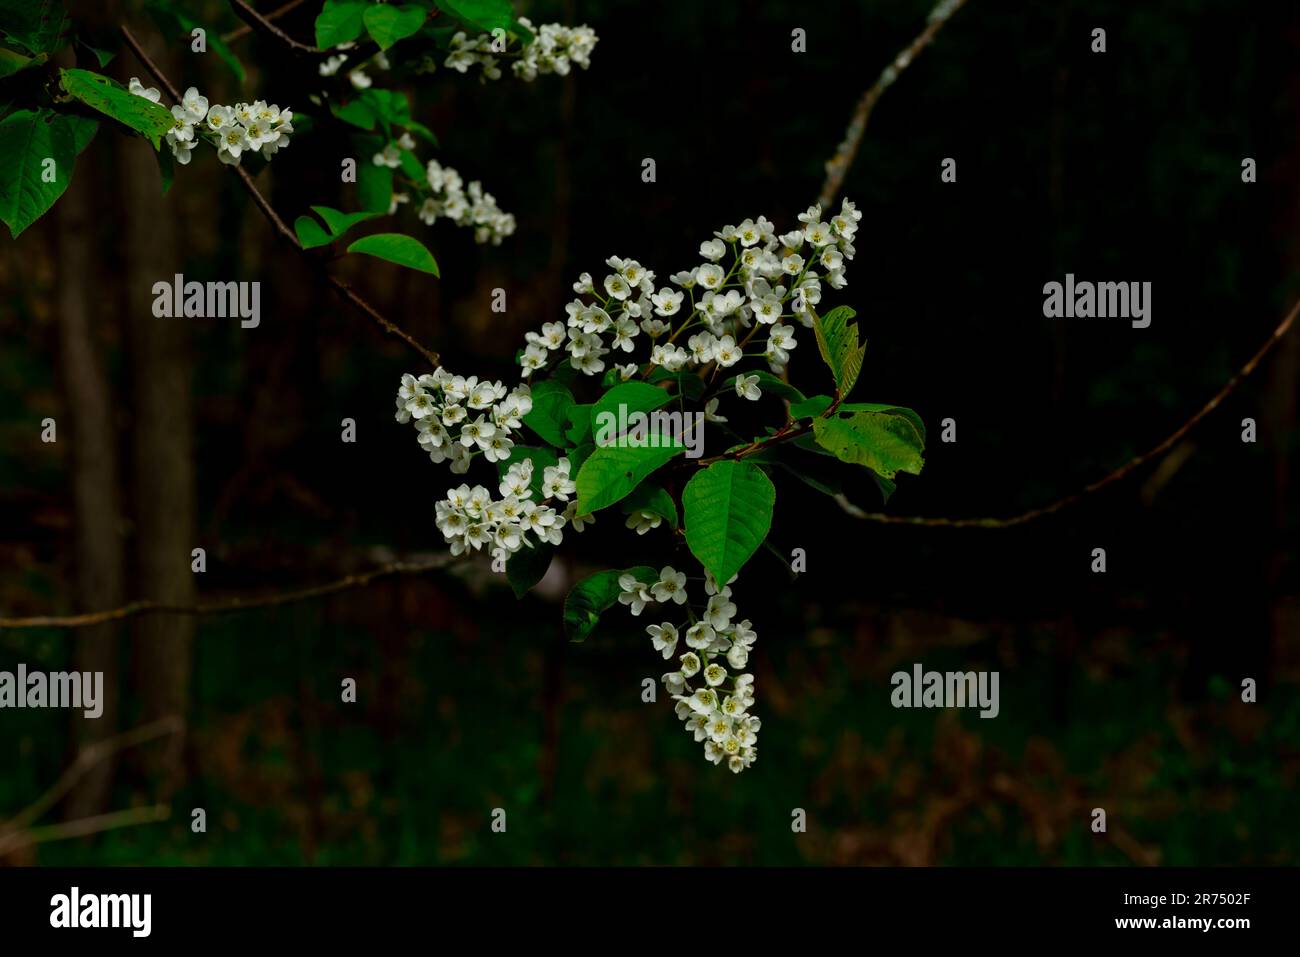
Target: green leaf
{"x": 818, "y": 404}
{"x": 837, "y": 341}
{"x": 577, "y": 429}
{"x": 357, "y": 112}
{"x": 486, "y": 15}
{"x": 27, "y": 139}
{"x": 884, "y": 442}
{"x": 11, "y": 62}
{"x": 654, "y": 499}
{"x": 528, "y": 566}
{"x": 424, "y": 133}
{"x": 339, "y": 22}
{"x": 375, "y": 188}
{"x": 310, "y": 233}
{"x": 102, "y": 57}
{"x": 772, "y": 385}
{"x": 595, "y": 595}
{"x": 632, "y": 397}
{"x": 40, "y": 26}
{"x": 340, "y": 222}
{"x": 166, "y": 169}
{"x": 728, "y": 513}
{"x": 611, "y": 472}
{"x": 551, "y": 404}
{"x": 412, "y": 166}
{"x": 397, "y": 248}
{"x": 172, "y": 20}
{"x": 112, "y": 99}
{"x": 387, "y": 23}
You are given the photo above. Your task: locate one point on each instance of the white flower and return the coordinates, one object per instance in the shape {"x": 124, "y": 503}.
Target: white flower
{"x": 713, "y": 249}
{"x": 664, "y": 638}
{"x": 139, "y": 89}
{"x": 671, "y": 586}
{"x": 643, "y": 521}
{"x": 667, "y": 301}
{"x": 634, "y": 594}
{"x": 194, "y": 105}
{"x": 747, "y": 387}
{"x": 719, "y": 612}
{"x": 700, "y": 635}
{"x": 726, "y": 353}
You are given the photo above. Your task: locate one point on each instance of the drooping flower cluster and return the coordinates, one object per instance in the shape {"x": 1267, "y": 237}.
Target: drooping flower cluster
{"x": 712, "y": 702}
{"x": 716, "y": 309}
{"x": 445, "y": 194}
{"x": 443, "y": 407}
{"x": 556, "y": 48}
{"x": 234, "y": 130}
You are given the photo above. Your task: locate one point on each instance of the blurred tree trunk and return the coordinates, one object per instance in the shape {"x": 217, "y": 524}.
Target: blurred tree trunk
{"x": 97, "y": 508}
{"x": 164, "y": 474}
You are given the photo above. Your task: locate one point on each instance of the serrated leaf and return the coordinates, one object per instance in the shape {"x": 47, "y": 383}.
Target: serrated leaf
{"x": 387, "y": 23}
{"x": 727, "y": 509}
{"x": 818, "y": 404}
{"x": 596, "y": 594}
{"x": 340, "y": 21}
{"x": 27, "y": 139}
{"x": 837, "y": 341}
{"x": 112, "y": 99}
{"x": 397, "y": 248}
{"x": 884, "y": 442}
{"x": 611, "y": 472}
{"x": 550, "y": 412}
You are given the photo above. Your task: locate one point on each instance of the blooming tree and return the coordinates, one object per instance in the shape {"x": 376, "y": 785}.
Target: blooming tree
{"x": 544, "y": 455}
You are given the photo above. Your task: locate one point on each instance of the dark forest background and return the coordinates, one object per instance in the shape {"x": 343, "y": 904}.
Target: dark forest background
{"x": 1119, "y": 691}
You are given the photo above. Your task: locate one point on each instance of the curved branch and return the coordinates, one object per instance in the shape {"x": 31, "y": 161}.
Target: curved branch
{"x": 263, "y": 24}
{"x": 240, "y": 32}
{"x": 838, "y": 165}
{"x": 236, "y": 603}
{"x": 1124, "y": 470}
{"x": 341, "y": 288}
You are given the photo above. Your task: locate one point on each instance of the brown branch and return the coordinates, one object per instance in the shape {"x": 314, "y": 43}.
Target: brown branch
{"x": 838, "y": 165}
{"x": 237, "y": 603}
{"x": 85, "y": 826}
{"x": 343, "y": 289}
{"x": 240, "y": 32}
{"x": 1124, "y": 470}
{"x": 88, "y": 757}
{"x": 264, "y": 25}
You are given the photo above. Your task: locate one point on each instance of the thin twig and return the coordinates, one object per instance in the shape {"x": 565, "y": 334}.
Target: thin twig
{"x": 838, "y": 165}
{"x": 89, "y": 756}
{"x": 264, "y": 25}
{"x": 1127, "y": 468}
{"x": 85, "y": 826}
{"x": 240, "y": 32}
{"x": 343, "y": 289}
{"x": 237, "y": 603}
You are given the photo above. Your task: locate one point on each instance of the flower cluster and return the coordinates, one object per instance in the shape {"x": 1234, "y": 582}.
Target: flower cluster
{"x": 233, "y": 130}
{"x": 555, "y": 49}
{"x": 357, "y": 74}
{"x": 713, "y": 703}
{"x": 719, "y": 307}
{"x": 459, "y": 419}
{"x": 448, "y": 196}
